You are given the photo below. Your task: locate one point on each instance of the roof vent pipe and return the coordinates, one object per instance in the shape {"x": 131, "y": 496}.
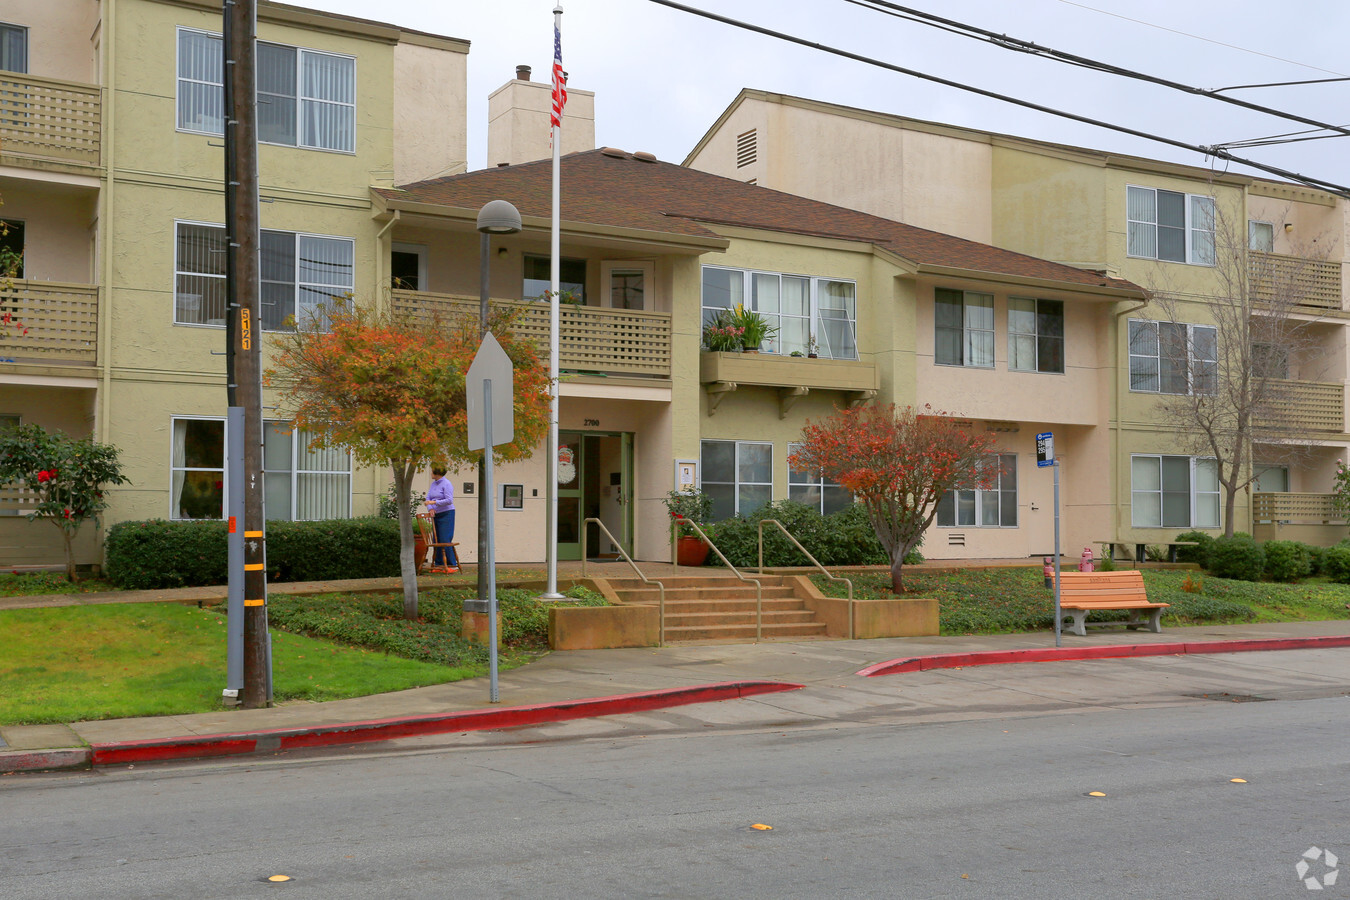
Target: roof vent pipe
{"x": 522, "y": 73}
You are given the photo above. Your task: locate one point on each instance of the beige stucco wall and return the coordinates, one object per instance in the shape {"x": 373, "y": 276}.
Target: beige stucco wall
{"x": 518, "y": 122}
{"x": 430, "y": 112}
{"x": 60, "y": 36}
{"x": 58, "y": 225}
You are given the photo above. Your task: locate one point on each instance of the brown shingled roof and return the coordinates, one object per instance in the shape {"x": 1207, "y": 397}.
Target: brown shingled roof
{"x": 601, "y": 187}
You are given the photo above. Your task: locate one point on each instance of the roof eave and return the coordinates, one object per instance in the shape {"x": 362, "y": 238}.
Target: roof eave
{"x": 1124, "y": 291}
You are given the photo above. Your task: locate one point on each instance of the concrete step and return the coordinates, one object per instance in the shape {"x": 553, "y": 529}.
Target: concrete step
{"x": 624, "y": 585}
{"x": 743, "y": 632}
{"x": 742, "y": 604}
{"x": 734, "y": 591}
{"x": 747, "y": 617}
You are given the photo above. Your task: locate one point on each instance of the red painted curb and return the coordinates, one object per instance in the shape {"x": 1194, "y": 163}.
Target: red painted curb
{"x": 270, "y": 740}
{"x": 1106, "y": 651}
{"x": 44, "y": 760}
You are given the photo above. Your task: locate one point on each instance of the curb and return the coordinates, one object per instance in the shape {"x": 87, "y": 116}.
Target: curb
{"x": 43, "y": 760}
{"x": 279, "y": 739}
{"x": 1057, "y": 654}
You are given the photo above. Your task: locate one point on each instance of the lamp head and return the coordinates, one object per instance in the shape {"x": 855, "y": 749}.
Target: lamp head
{"x": 498, "y": 217}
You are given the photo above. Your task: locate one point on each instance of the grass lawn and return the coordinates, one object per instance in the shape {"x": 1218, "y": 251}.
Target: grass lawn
{"x": 70, "y": 664}
{"x": 1002, "y": 601}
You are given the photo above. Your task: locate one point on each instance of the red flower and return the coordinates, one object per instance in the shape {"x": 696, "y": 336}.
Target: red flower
{"x": 67, "y": 512}
{"x": 44, "y": 475}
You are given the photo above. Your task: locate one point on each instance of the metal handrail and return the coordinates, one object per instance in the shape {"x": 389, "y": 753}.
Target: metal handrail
{"x": 645, "y": 580}
{"x": 759, "y": 588}
{"x": 814, "y": 561}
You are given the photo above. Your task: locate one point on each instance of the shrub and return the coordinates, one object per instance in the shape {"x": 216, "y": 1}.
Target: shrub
{"x": 1316, "y": 557}
{"x": 844, "y": 538}
{"x": 1287, "y": 560}
{"x": 162, "y": 554}
{"x": 1198, "y": 554}
{"x": 1336, "y": 563}
{"x": 1238, "y": 557}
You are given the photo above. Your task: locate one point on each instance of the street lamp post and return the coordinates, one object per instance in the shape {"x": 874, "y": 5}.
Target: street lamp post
{"x": 496, "y": 217}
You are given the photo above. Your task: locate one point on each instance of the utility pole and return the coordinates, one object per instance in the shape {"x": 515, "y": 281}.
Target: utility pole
{"x": 245, "y": 332}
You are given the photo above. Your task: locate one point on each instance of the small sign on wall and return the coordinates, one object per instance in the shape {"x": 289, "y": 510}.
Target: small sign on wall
{"x": 686, "y": 474}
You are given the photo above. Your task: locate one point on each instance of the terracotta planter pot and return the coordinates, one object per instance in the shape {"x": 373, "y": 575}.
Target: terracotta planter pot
{"x": 419, "y": 552}
{"x": 691, "y": 551}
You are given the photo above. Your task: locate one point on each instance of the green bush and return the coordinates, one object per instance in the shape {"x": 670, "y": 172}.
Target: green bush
{"x": 844, "y": 538}
{"x": 1238, "y": 557}
{"x": 162, "y": 554}
{"x": 1198, "y": 554}
{"x": 1336, "y": 563}
{"x": 1287, "y": 560}
{"x": 1316, "y": 558}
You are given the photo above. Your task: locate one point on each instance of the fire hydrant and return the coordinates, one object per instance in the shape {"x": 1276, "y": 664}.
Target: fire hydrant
{"x": 1085, "y": 563}
{"x": 1048, "y": 570}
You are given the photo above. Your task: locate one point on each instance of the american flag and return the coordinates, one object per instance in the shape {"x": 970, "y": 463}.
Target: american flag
{"x": 559, "y": 81}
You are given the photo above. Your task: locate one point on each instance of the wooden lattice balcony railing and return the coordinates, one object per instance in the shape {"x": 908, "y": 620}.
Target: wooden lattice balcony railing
{"x": 590, "y": 338}
{"x": 48, "y": 118}
{"x": 1295, "y": 280}
{"x": 61, "y": 321}
{"x": 1309, "y": 406}
{"x": 1296, "y": 509}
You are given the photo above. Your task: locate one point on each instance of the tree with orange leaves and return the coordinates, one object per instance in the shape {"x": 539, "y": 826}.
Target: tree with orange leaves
{"x": 898, "y": 463}
{"x": 391, "y": 390}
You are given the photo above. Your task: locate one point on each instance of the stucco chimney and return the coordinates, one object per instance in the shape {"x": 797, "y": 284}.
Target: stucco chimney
{"x": 518, "y": 121}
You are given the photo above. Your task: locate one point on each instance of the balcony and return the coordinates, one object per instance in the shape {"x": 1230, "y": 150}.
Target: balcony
{"x": 61, "y": 321}
{"x": 44, "y": 118}
{"x": 591, "y": 339}
{"x": 793, "y": 376}
{"x": 1309, "y": 406}
{"x": 1294, "y": 280}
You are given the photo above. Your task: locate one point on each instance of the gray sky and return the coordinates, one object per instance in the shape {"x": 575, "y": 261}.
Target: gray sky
{"x": 662, "y": 76}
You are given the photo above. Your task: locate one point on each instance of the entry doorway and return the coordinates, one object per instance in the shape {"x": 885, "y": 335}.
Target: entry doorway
{"x": 595, "y": 476}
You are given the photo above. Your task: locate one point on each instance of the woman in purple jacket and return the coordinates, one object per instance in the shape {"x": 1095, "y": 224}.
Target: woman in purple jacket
{"x": 441, "y": 504}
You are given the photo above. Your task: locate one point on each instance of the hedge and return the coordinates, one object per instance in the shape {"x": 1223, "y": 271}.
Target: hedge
{"x": 162, "y": 554}
{"x": 845, "y": 538}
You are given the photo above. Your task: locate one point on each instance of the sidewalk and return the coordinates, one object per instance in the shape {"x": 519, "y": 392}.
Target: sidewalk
{"x": 573, "y": 684}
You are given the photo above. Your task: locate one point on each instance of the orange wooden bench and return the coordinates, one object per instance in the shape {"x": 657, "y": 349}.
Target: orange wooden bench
{"x": 1083, "y": 592}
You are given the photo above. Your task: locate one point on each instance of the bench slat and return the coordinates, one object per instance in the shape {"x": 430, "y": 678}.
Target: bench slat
{"x": 1085, "y": 592}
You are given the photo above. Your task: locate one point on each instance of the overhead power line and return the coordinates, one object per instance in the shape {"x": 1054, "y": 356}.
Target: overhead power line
{"x": 1011, "y": 43}
{"x": 1215, "y": 151}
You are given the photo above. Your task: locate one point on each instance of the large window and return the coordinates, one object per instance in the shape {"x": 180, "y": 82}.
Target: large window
{"x": 1174, "y": 492}
{"x": 303, "y": 482}
{"x": 305, "y": 98}
{"x": 963, "y": 328}
{"x": 300, "y": 274}
{"x": 1261, "y": 236}
{"x": 738, "y": 475}
{"x": 993, "y": 507}
{"x": 815, "y": 490}
{"x": 539, "y": 278}
{"x": 13, "y": 48}
{"x": 1170, "y": 225}
{"x": 1035, "y": 335}
{"x": 809, "y": 313}
{"x": 300, "y": 482}
{"x": 1173, "y": 357}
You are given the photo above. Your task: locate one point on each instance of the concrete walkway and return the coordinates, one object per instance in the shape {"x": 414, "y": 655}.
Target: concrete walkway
{"x": 576, "y": 684}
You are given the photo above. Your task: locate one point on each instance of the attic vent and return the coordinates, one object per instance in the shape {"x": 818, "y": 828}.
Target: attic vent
{"x": 644, "y": 156}
{"x": 747, "y": 149}
{"x": 613, "y": 151}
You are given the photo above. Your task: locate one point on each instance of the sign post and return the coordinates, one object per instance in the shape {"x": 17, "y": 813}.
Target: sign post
{"x": 491, "y": 377}
{"x": 1045, "y": 456}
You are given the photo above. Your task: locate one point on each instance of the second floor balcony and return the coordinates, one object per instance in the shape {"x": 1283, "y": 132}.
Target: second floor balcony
{"x": 1294, "y": 280}
{"x": 46, "y": 118}
{"x": 591, "y": 339}
{"x": 56, "y": 323}
{"x": 1311, "y": 406}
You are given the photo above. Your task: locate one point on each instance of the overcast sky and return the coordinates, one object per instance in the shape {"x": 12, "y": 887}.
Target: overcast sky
{"x": 662, "y": 76}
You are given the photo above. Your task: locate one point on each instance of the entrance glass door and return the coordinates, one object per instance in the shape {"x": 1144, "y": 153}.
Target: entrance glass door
{"x": 594, "y": 474}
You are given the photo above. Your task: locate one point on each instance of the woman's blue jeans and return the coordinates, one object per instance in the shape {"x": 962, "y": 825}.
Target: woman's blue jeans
{"x": 445, "y": 533}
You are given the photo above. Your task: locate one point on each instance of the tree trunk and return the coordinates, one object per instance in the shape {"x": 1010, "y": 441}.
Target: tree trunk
{"x": 1229, "y": 505}
{"x": 68, "y": 538}
{"x": 406, "y": 564}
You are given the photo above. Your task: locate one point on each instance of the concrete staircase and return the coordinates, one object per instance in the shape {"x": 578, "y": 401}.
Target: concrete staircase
{"x": 702, "y": 608}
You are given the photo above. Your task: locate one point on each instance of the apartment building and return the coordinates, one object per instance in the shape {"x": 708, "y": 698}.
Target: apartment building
{"x": 111, "y": 174}
{"x": 1195, "y": 238}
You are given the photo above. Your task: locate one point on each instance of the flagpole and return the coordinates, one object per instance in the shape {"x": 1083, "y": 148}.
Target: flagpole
{"x": 551, "y": 593}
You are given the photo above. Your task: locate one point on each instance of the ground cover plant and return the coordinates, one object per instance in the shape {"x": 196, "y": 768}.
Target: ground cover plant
{"x": 1008, "y": 600}
{"x": 107, "y": 661}
{"x": 31, "y": 584}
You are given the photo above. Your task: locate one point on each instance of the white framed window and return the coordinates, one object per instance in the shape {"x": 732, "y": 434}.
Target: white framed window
{"x": 963, "y": 328}
{"x": 815, "y": 490}
{"x": 1173, "y": 491}
{"x": 408, "y": 266}
{"x": 13, "y": 48}
{"x": 539, "y": 278}
{"x": 737, "y": 475}
{"x": 628, "y": 284}
{"x": 809, "y": 312}
{"x": 302, "y": 482}
{"x": 197, "y": 469}
{"x": 1173, "y": 357}
{"x": 300, "y": 273}
{"x": 306, "y": 98}
{"x": 1271, "y": 479}
{"x": 1169, "y": 225}
{"x": 992, "y": 507}
{"x": 1260, "y": 236}
{"x": 1035, "y": 335}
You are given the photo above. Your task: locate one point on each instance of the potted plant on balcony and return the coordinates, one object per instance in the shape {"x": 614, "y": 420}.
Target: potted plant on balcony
{"x": 695, "y": 506}
{"x": 755, "y": 329}
{"x": 721, "y": 336}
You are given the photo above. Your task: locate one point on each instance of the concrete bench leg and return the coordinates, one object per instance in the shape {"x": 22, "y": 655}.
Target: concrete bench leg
{"x": 1155, "y": 621}
{"x": 1079, "y": 626}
